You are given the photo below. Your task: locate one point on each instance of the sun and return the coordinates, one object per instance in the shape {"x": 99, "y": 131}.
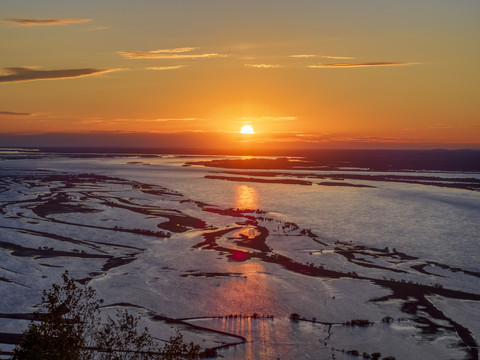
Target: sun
{"x": 247, "y": 129}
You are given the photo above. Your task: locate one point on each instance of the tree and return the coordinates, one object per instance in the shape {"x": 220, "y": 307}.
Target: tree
{"x": 65, "y": 328}
{"x": 294, "y": 317}
{"x": 119, "y": 339}
{"x": 69, "y": 328}
{"x": 176, "y": 349}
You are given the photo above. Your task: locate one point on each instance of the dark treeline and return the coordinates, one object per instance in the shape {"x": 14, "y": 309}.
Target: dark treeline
{"x": 371, "y": 160}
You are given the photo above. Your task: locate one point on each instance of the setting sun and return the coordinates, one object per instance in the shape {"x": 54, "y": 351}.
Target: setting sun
{"x": 247, "y": 129}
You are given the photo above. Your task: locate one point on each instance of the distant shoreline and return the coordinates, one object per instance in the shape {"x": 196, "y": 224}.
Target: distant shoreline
{"x": 373, "y": 160}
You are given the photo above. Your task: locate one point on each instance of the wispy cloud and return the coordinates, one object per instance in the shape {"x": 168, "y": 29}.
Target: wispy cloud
{"x": 364, "y": 64}
{"x": 98, "y": 28}
{"x": 40, "y": 22}
{"x": 174, "y": 50}
{"x": 173, "y": 53}
{"x": 368, "y": 139}
{"x": 141, "y": 55}
{"x": 91, "y": 120}
{"x": 174, "y": 67}
{"x": 263, "y": 66}
{"x": 145, "y": 120}
{"x": 325, "y": 138}
{"x": 338, "y": 57}
{"x": 303, "y": 56}
{"x": 439, "y": 126}
{"x": 16, "y": 74}
{"x": 264, "y": 118}
{"x": 14, "y": 113}
{"x": 177, "y": 119}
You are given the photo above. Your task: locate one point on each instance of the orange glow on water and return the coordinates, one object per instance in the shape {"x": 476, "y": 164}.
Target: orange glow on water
{"x": 246, "y": 197}
{"x": 243, "y": 297}
{"x": 246, "y": 294}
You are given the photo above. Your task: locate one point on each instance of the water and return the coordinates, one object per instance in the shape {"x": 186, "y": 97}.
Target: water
{"x": 433, "y": 223}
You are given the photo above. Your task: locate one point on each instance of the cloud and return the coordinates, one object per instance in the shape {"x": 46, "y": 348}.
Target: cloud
{"x": 143, "y": 120}
{"x": 145, "y": 55}
{"x": 368, "y": 139}
{"x": 264, "y": 118}
{"x": 303, "y": 56}
{"x": 174, "y": 53}
{"x": 205, "y": 141}
{"x": 98, "y": 28}
{"x": 364, "y": 64}
{"x": 173, "y": 50}
{"x": 439, "y": 126}
{"x": 436, "y": 127}
{"x": 325, "y": 138}
{"x": 177, "y": 119}
{"x": 337, "y": 57}
{"x": 263, "y": 66}
{"x": 39, "y": 22}
{"x": 174, "y": 67}
{"x": 16, "y": 74}
{"x": 323, "y": 56}
{"x": 13, "y": 113}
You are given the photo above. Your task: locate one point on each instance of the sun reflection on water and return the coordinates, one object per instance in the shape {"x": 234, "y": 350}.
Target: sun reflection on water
{"x": 246, "y": 197}
{"x": 248, "y": 293}
{"x": 260, "y": 335}
{"x": 266, "y": 338}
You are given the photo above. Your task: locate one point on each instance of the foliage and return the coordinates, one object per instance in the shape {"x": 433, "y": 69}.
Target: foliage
{"x": 294, "y": 317}
{"x": 68, "y": 328}
{"x": 176, "y": 349}
{"x": 119, "y": 340}
{"x": 359, "y": 322}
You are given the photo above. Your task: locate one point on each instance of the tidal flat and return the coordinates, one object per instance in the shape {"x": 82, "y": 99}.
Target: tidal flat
{"x": 245, "y": 281}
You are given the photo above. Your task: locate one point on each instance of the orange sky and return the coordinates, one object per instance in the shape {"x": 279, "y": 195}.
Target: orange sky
{"x": 303, "y": 74}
